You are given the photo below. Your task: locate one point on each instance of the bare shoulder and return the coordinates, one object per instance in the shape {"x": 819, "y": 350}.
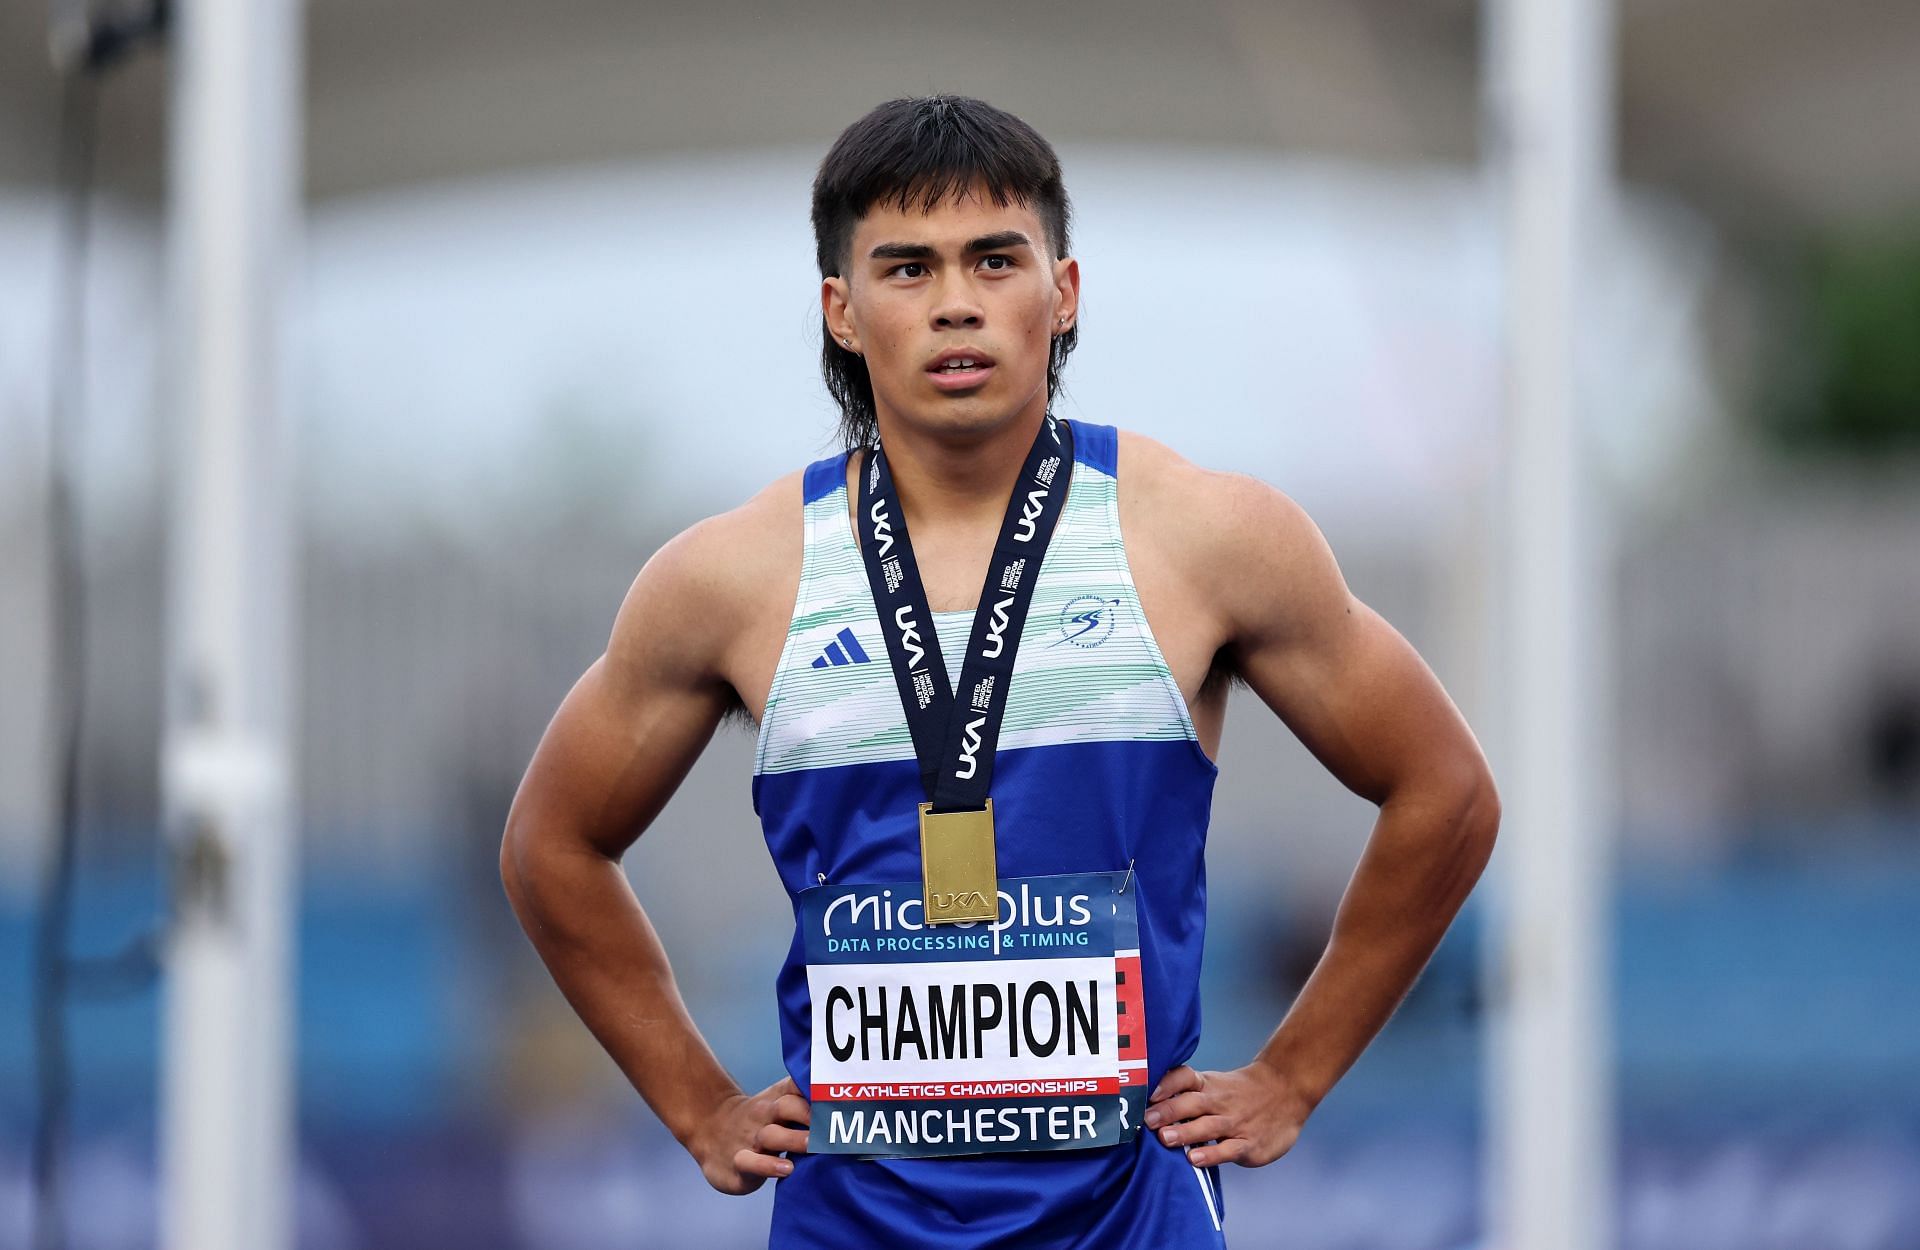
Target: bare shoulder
{"x": 704, "y": 600}
{"x": 1231, "y": 541}
{"x": 726, "y": 561}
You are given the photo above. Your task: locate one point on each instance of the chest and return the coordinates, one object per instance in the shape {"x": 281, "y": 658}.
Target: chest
{"x": 1184, "y": 631}
{"x": 1089, "y": 666}
{"x": 954, "y": 563}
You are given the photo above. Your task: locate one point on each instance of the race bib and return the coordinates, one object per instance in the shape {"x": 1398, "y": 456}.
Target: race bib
{"x": 1027, "y": 1032}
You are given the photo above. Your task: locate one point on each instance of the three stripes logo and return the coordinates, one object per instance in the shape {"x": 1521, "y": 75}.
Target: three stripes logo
{"x": 843, "y": 650}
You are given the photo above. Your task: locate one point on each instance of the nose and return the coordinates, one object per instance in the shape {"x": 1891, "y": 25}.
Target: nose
{"x": 955, "y": 306}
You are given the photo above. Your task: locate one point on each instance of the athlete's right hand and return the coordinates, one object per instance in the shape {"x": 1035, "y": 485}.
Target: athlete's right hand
{"x": 746, "y": 1135}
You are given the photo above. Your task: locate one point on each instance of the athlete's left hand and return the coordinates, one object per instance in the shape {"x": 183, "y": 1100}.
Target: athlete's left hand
{"x": 1250, "y": 1116}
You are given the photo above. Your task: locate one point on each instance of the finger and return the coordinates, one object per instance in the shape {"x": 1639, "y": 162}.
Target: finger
{"x": 1177, "y": 1080}
{"x": 752, "y": 1163}
{"x": 793, "y": 1109}
{"x": 1232, "y": 1150}
{"x": 1206, "y": 1128}
{"x": 786, "y": 1085}
{"x": 775, "y": 1138}
{"x": 1188, "y": 1106}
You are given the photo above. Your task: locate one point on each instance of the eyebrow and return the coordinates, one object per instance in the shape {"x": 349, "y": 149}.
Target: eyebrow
{"x": 997, "y": 241}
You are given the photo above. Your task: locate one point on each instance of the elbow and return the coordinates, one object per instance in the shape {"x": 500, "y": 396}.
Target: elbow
{"x": 1479, "y": 816}
{"x": 513, "y": 863}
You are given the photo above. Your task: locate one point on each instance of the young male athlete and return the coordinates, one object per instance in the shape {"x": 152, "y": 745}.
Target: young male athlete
{"x": 989, "y": 655}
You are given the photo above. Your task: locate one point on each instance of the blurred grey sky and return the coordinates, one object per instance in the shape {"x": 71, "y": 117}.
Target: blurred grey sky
{"x": 1328, "y": 326}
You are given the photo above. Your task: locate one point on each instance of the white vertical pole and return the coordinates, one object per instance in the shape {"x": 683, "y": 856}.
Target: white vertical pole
{"x": 226, "y": 1140}
{"x": 1552, "y": 1128}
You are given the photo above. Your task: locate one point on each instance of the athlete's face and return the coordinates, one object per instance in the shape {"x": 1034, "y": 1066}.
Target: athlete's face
{"x": 924, "y": 293}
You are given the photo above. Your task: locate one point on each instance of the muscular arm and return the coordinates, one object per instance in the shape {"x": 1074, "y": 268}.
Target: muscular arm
{"x": 1360, "y": 698}
{"x": 620, "y": 744}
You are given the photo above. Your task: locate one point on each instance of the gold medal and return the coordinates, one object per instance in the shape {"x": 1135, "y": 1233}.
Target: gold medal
{"x": 957, "y": 866}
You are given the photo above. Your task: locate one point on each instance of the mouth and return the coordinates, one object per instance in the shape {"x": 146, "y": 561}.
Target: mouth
{"x": 960, "y": 370}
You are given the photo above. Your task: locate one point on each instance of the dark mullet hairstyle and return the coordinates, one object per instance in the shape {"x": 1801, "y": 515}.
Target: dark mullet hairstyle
{"x": 923, "y": 151}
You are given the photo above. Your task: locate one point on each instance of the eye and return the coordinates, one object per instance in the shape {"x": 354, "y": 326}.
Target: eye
{"x": 1003, "y": 262}
{"x": 902, "y": 269}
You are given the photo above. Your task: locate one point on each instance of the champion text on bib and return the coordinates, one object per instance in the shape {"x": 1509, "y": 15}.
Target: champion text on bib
{"x": 1027, "y": 1032}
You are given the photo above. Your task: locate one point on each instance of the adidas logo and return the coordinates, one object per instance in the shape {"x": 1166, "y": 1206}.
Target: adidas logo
{"x": 844, "y": 649}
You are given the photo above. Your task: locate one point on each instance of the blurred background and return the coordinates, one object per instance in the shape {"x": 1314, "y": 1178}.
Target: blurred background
{"x": 549, "y": 250}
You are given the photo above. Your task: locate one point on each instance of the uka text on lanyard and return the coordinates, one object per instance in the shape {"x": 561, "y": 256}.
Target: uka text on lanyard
{"x": 954, "y": 737}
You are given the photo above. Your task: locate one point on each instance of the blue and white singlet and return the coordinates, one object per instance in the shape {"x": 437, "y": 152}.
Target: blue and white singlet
{"x": 1098, "y": 767}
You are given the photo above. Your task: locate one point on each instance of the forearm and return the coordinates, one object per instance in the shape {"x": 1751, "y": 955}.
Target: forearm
{"x": 1420, "y": 863}
{"x": 582, "y": 917}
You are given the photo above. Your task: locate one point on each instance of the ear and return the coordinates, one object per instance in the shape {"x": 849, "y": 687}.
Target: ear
{"x": 833, "y": 306}
{"x": 1066, "y": 288}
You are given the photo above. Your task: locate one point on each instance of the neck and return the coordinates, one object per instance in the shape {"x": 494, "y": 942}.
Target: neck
{"x": 942, "y": 479}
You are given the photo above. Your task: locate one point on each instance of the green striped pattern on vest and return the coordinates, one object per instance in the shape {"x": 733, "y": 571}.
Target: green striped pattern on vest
{"x": 1088, "y": 668}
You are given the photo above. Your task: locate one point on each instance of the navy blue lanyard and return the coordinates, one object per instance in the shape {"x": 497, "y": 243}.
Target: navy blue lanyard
{"x": 954, "y": 738}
